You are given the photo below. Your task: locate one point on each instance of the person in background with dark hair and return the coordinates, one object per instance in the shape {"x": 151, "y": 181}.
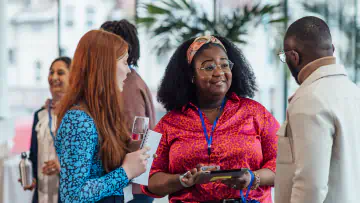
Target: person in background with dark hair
{"x": 211, "y": 121}
{"x": 137, "y": 96}
{"x": 44, "y": 160}
{"x": 318, "y": 159}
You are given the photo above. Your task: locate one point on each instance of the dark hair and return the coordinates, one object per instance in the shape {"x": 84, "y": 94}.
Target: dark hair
{"x": 128, "y": 32}
{"x": 176, "y": 88}
{"x": 311, "y": 29}
{"x": 64, "y": 59}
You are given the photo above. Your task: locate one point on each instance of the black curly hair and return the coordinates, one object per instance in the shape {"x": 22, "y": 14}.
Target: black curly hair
{"x": 128, "y": 32}
{"x": 65, "y": 59}
{"x": 176, "y": 88}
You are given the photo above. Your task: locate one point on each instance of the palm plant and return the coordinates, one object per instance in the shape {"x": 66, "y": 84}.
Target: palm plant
{"x": 171, "y": 22}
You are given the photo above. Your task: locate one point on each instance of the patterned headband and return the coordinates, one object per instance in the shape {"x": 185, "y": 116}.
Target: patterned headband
{"x": 198, "y": 43}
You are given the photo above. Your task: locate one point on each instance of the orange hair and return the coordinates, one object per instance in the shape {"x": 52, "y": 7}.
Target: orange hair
{"x": 93, "y": 83}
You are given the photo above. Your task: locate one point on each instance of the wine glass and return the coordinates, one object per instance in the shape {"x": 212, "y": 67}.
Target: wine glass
{"x": 140, "y": 127}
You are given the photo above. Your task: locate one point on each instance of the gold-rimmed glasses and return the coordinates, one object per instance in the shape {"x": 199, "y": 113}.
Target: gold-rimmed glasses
{"x": 208, "y": 68}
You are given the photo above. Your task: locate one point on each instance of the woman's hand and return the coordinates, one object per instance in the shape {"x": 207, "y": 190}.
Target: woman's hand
{"x": 134, "y": 145}
{"x": 29, "y": 187}
{"x": 195, "y": 176}
{"x": 134, "y": 163}
{"x": 238, "y": 183}
{"x": 51, "y": 167}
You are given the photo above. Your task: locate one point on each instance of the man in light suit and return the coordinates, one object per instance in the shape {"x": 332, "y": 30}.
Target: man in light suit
{"x": 319, "y": 143}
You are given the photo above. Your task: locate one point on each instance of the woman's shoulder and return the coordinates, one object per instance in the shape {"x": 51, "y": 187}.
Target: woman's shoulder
{"x": 251, "y": 106}
{"x": 77, "y": 120}
{"x": 77, "y": 113}
{"x": 255, "y": 108}
{"x": 175, "y": 119}
{"x": 78, "y": 128}
{"x": 251, "y": 102}
{"x": 38, "y": 111}
{"x": 173, "y": 114}
{"x": 244, "y": 101}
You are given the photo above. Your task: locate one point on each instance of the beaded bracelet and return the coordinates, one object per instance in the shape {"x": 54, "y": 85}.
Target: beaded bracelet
{"x": 256, "y": 182}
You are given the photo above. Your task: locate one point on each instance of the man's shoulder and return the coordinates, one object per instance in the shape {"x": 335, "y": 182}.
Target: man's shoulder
{"x": 307, "y": 102}
{"x": 134, "y": 77}
{"x": 134, "y": 81}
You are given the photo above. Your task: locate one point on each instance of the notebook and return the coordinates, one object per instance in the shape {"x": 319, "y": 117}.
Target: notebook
{"x": 152, "y": 140}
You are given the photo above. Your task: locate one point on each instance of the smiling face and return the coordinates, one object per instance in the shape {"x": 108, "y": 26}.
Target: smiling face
{"x": 58, "y": 78}
{"x": 216, "y": 83}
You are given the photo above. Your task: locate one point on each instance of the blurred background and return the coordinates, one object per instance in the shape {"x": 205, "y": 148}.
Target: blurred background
{"x": 34, "y": 32}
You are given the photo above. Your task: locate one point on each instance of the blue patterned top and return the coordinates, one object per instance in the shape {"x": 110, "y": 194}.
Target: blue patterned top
{"x": 82, "y": 177}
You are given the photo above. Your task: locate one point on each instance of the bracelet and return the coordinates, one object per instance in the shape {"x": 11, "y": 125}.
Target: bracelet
{"x": 182, "y": 183}
{"x": 256, "y": 182}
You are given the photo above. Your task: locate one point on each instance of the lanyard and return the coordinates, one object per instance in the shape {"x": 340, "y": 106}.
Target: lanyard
{"x": 50, "y": 121}
{"x": 209, "y": 139}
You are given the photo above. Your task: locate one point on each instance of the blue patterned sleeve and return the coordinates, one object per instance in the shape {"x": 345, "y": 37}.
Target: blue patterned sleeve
{"x": 76, "y": 145}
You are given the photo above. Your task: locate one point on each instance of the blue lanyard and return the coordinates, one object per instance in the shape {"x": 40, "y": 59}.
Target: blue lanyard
{"x": 209, "y": 139}
{"x": 50, "y": 121}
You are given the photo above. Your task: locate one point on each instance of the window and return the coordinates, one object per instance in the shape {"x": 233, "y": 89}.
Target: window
{"x": 36, "y": 27}
{"x": 90, "y": 16}
{"x": 27, "y": 3}
{"x": 69, "y": 16}
{"x": 63, "y": 51}
{"x": 11, "y": 55}
{"x": 38, "y": 71}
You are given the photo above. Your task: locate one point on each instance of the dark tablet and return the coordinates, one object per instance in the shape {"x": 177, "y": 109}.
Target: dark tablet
{"x": 226, "y": 174}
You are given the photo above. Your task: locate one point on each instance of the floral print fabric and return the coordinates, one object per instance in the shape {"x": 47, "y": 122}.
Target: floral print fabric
{"x": 82, "y": 177}
{"x": 245, "y": 137}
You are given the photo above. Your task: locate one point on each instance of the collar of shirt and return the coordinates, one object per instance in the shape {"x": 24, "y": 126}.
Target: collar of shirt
{"x": 313, "y": 66}
{"x": 231, "y": 96}
{"x": 319, "y": 73}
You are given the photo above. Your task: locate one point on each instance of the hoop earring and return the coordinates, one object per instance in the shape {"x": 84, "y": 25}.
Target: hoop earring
{"x": 192, "y": 80}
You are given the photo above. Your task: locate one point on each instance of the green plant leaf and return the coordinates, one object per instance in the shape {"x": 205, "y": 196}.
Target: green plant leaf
{"x": 176, "y": 4}
{"x": 170, "y": 30}
{"x": 279, "y": 20}
{"x": 186, "y": 4}
{"x": 171, "y": 5}
{"x": 152, "y": 9}
{"x": 145, "y": 20}
{"x": 162, "y": 30}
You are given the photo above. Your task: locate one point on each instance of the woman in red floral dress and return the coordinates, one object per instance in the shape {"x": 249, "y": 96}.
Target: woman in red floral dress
{"x": 212, "y": 121}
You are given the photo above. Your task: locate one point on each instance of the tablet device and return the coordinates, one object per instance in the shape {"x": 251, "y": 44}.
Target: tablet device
{"x": 226, "y": 174}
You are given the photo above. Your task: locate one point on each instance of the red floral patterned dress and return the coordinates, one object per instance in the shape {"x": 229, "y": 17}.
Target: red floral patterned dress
{"x": 244, "y": 137}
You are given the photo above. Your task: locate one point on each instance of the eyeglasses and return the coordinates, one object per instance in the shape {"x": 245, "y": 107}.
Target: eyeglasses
{"x": 282, "y": 56}
{"x": 209, "y": 67}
